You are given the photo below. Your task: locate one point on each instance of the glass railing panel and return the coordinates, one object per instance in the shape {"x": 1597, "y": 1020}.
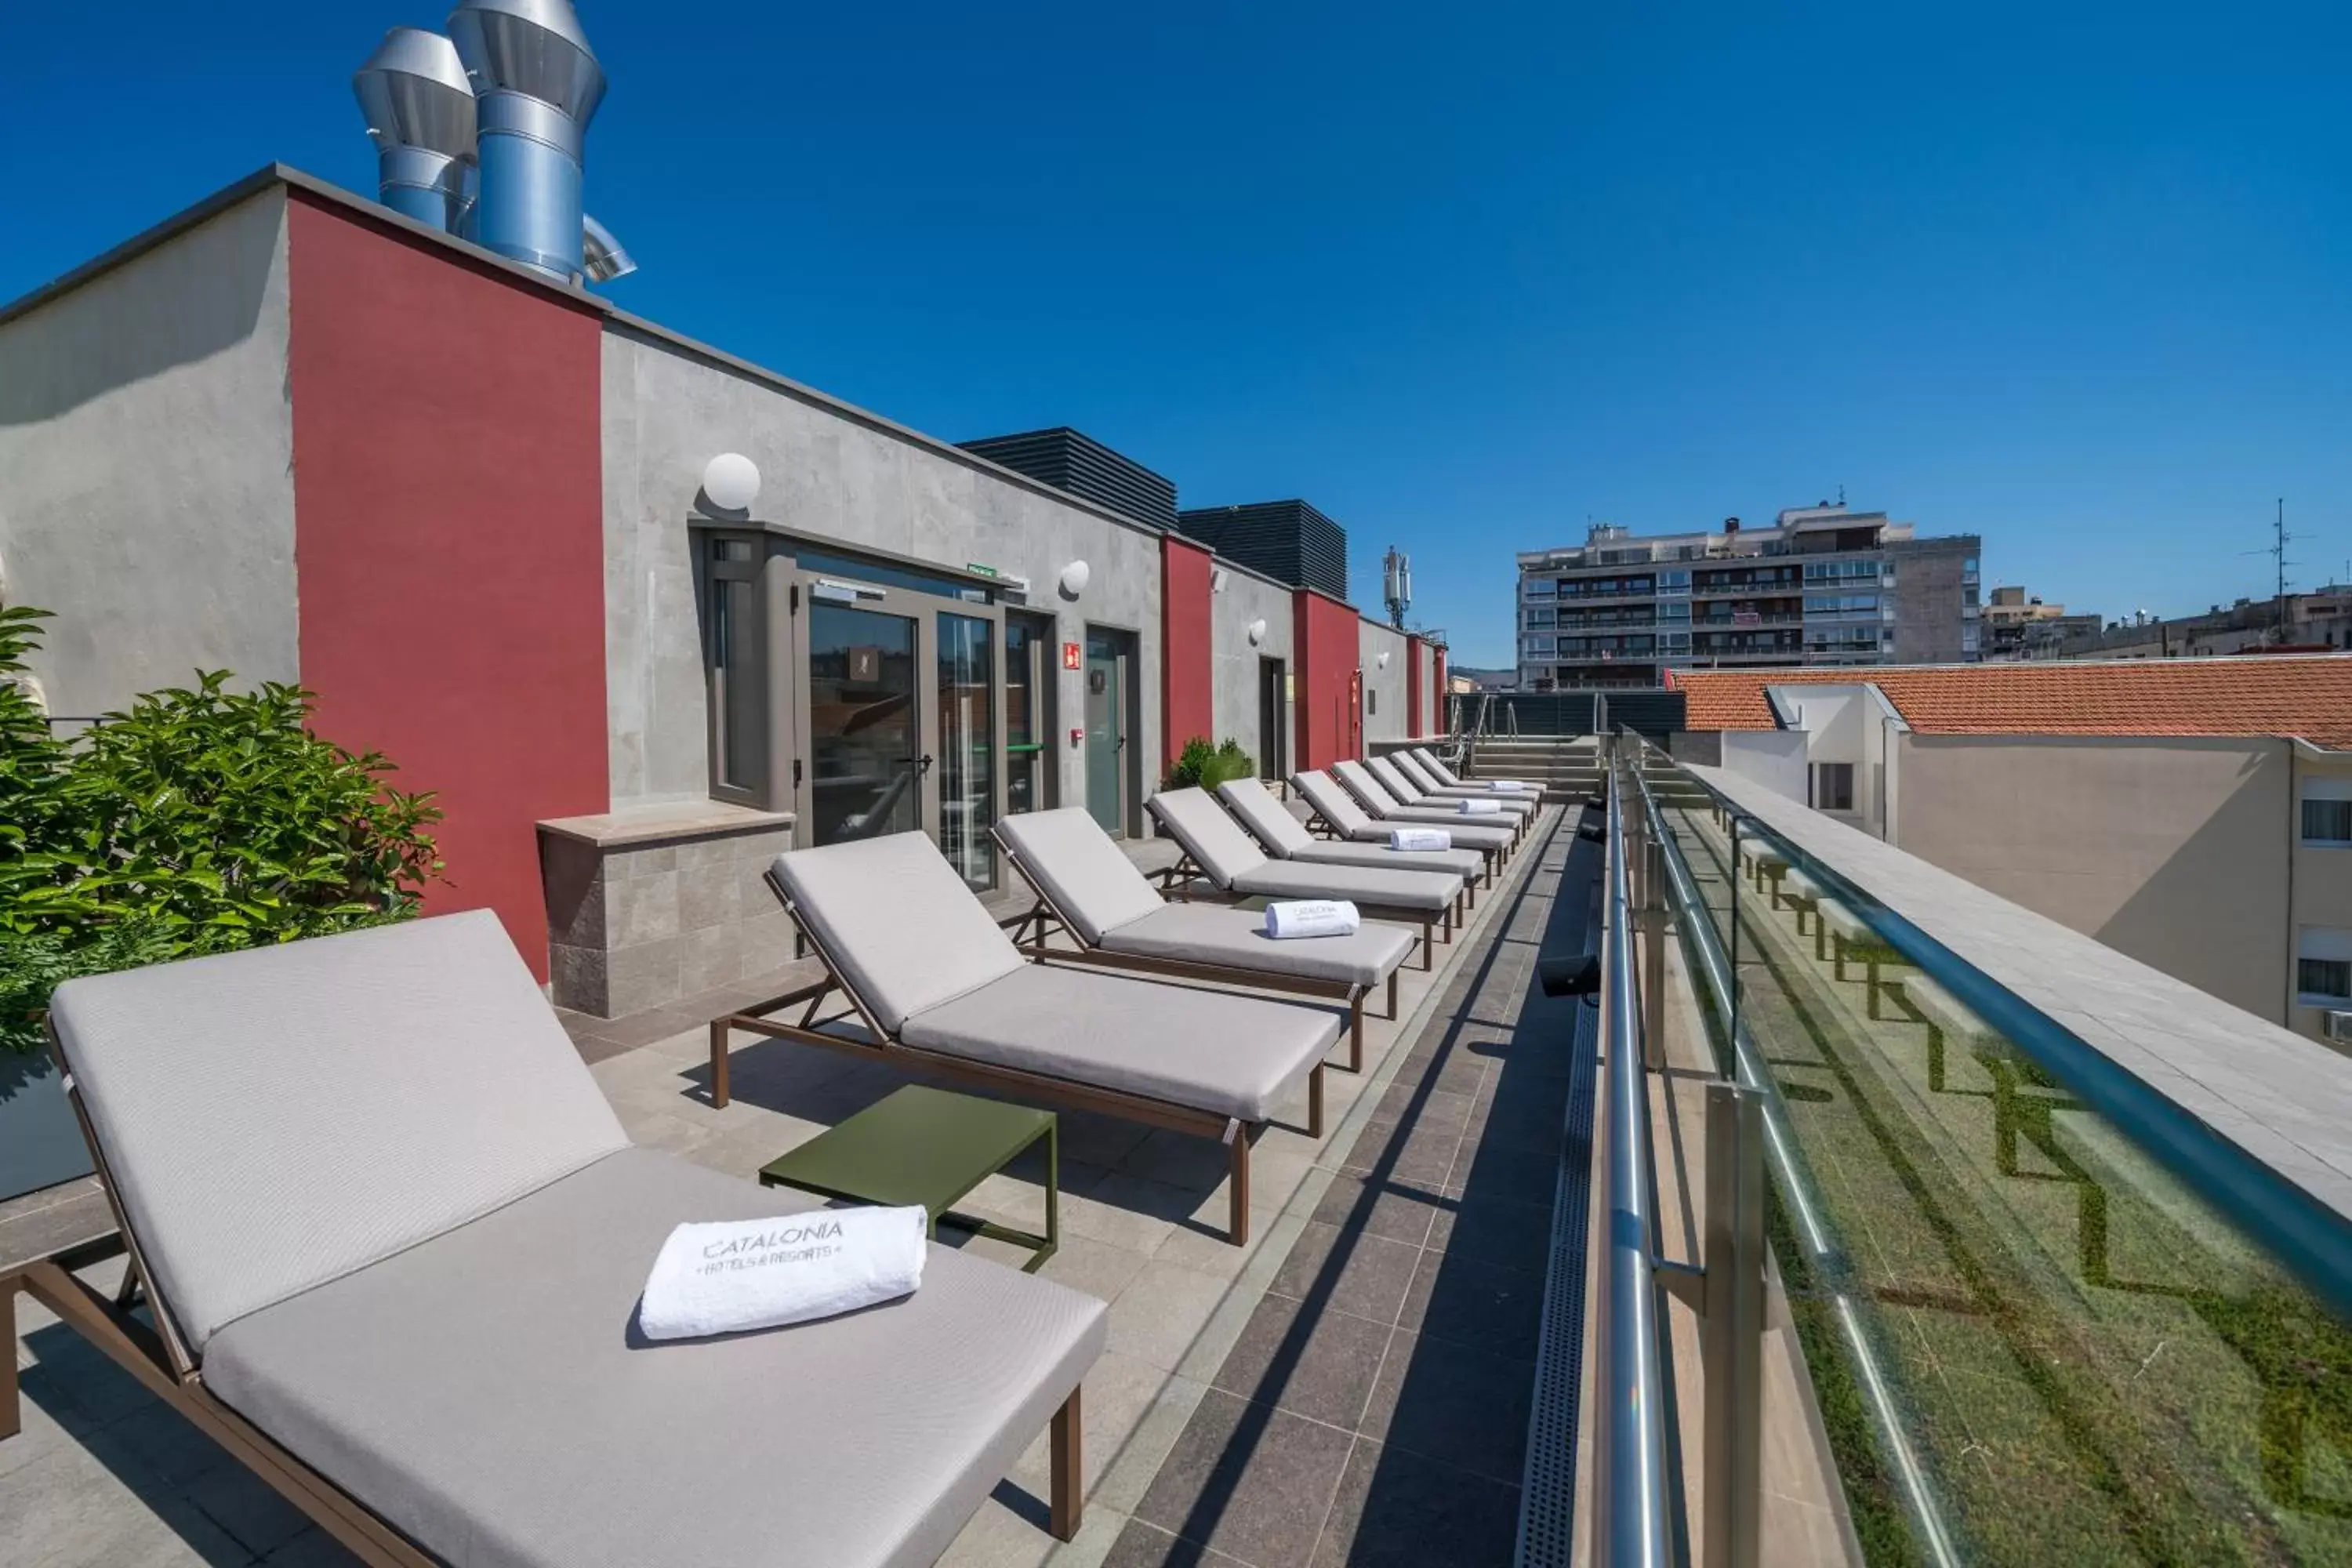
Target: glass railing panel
{"x": 2030, "y": 1342}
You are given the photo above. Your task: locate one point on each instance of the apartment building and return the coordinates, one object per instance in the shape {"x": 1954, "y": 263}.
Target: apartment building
{"x": 2018, "y": 625}
{"x": 1824, "y": 585}
{"x": 2195, "y": 814}
{"x": 2313, "y": 622}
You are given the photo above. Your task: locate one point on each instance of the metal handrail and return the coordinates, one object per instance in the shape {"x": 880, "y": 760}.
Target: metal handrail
{"x": 1697, "y": 926}
{"x": 1634, "y": 1529}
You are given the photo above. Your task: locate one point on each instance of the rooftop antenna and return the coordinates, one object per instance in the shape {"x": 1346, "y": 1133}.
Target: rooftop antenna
{"x": 1841, "y": 497}
{"x": 2276, "y": 551}
{"x": 1396, "y": 586}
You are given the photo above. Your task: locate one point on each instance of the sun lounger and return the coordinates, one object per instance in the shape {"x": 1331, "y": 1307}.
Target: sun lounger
{"x": 1445, "y": 775}
{"x": 1340, "y": 813}
{"x": 392, "y": 1237}
{"x": 1287, "y": 838}
{"x": 940, "y": 986}
{"x": 1215, "y": 847}
{"x": 1393, "y": 780}
{"x": 1385, "y": 806}
{"x": 1424, "y": 778}
{"x": 1087, "y": 886}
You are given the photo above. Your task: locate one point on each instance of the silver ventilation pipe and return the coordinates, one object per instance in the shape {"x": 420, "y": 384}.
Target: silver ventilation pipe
{"x": 420, "y": 115}
{"x": 535, "y": 86}
{"x": 602, "y": 256}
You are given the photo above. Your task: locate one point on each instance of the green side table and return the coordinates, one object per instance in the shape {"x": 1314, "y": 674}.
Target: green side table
{"x": 930, "y": 1147}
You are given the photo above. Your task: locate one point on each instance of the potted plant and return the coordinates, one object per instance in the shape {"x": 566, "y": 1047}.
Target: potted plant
{"x": 197, "y": 820}
{"x": 1203, "y": 766}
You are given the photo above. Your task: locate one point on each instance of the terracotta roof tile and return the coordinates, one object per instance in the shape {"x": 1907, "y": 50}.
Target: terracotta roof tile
{"x": 2308, "y": 695}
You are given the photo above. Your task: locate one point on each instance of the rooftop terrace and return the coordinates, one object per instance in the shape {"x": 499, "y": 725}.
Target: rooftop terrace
{"x": 1866, "y": 1218}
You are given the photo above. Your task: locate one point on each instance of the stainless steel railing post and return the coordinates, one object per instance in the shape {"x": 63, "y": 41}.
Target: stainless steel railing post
{"x": 1732, "y": 1327}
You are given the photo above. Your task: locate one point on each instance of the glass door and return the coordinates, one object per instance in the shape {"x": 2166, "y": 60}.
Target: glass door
{"x": 865, "y": 764}
{"x": 964, "y": 791}
{"x": 1107, "y": 724}
{"x": 1029, "y": 676}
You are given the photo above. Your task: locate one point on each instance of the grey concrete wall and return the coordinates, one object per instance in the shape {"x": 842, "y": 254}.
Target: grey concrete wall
{"x": 146, "y": 467}
{"x": 2172, "y": 850}
{"x": 1928, "y": 595}
{"x": 1384, "y": 713}
{"x": 1233, "y": 675}
{"x": 667, "y": 412}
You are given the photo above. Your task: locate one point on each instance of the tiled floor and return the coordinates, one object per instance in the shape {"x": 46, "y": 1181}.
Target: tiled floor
{"x": 1352, "y": 1380}
{"x": 1374, "y": 1410}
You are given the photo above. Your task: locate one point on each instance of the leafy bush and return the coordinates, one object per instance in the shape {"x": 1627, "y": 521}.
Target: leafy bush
{"x": 1201, "y": 765}
{"x": 197, "y": 820}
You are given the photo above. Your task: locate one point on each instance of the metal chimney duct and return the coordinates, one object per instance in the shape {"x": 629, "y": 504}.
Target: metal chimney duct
{"x": 420, "y": 114}
{"x": 536, "y": 87}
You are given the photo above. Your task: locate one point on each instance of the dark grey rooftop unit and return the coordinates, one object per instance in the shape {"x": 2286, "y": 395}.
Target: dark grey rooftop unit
{"x": 1286, "y": 539}
{"x": 1077, "y": 463}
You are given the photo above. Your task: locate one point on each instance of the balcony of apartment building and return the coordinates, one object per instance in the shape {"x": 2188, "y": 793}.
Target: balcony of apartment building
{"x": 1747, "y": 582}
{"x": 1628, "y": 615}
{"x": 1576, "y": 588}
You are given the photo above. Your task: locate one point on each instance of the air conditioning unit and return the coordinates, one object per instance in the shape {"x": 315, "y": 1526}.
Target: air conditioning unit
{"x": 2337, "y": 1027}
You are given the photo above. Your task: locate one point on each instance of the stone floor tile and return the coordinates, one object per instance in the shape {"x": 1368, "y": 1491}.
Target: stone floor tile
{"x": 1394, "y": 1210}
{"x": 1401, "y": 1511}
{"x": 1478, "y": 1304}
{"x": 1142, "y": 1545}
{"x": 1350, "y": 1271}
{"x": 1250, "y": 1481}
{"x": 1320, "y": 1365}
{"x": 1162, "y": 1312}
{"x": 1452, "y": 1403}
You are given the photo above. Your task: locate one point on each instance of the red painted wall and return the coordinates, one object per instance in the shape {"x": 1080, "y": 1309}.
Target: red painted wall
{"x": 1413, "y": 688}
{"x": 448, "y": 542}
{"x": 1324, "y": 646}
{"x": 1186, "y": 706}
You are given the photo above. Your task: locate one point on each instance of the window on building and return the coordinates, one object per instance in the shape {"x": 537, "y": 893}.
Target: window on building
{"x": 1541, "y": 617}
{"x": 2328, "y": 812}
{"x": 1540, "y": 647}
{"x": 1539, "y": 587}
{"x": 1832, "y": 786}
{"x": 2323, "y": 967}
{"x": 1674, "y": 582}
{"x": 735, "y": 668}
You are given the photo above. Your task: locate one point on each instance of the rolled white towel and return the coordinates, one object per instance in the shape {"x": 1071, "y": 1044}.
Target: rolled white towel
{"x": 1481, "y": 808}
{"x": 1420, "y": 839}
{"x": 735, "y": 1275}
{"x": 1311, "y": 917}
{"x": 1508, "y": 786}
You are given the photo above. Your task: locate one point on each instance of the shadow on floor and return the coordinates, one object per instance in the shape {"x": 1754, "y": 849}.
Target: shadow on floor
{"x": 1375, "y": 1410}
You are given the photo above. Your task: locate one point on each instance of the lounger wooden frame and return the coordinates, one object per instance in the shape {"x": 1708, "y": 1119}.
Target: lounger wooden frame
{"x": 160, "y": 1360}
{"x": 1037, "y": 1088}
{"x": 1030, "y": 935}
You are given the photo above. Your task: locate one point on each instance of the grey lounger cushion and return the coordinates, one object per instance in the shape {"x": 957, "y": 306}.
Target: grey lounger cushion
{"x": 1219, "y": 847}
{"x": 1342, "y": 811}
{"x": 1213, "y": 840}
{"x": 1426, "y": 893}
{"x": 900, "y": 925}
{"x": 1392, "y": 779}
{"x": 1270, "y": 821}
{"x": 485, "y": 1393}
{"x": 1231, "y": 1056}
{"x": 1217, "y": 934}
{"x": 277, "y": 1118}
{"x": 1418, "y": 774}
{"x": 1384, "y": 805}
{"x": 1438, "y": 768}
{"x": 1078, "y": 867}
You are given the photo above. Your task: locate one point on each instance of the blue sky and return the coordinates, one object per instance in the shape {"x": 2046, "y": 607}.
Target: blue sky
{"x": 2075, "y": 277}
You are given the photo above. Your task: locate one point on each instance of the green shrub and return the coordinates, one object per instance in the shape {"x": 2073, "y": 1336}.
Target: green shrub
{"x": 1206, "y": 767}
{"x": 197, "y": 820}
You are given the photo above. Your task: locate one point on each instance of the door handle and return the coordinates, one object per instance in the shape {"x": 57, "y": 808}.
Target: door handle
{"x": 924, "y": 761}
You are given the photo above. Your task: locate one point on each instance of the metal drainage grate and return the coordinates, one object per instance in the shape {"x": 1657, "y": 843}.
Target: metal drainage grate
{"x": 1547, "y": 1488}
